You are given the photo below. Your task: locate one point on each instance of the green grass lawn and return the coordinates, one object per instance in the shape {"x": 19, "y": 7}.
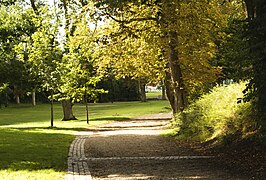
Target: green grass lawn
{"x": 153, "y": 94}
{"x": 30, "y": 149}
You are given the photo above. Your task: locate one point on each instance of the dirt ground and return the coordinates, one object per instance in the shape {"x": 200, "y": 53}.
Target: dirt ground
{"x": 134, "y": 149}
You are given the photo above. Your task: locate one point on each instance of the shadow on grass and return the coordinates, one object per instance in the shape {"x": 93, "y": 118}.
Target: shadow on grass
{"x": 48, "y": 128}
{"x": 111, "y": 118}
{"x": 39, "y": 148}
{"x": 22, "y": 150}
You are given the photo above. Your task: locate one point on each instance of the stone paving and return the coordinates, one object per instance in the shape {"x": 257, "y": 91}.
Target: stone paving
{"x": 78, "y": 162}
{"x": 77, "y": 169}
{"x": 133, "y": 149}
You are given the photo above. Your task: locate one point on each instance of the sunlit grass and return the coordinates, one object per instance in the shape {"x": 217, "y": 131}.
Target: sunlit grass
{"x": 30, "y": 149}
{"x": 216, "y": 114}
{"x": 49, "y": 174}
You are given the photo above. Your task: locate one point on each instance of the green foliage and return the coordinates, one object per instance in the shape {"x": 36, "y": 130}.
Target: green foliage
{"x": 3, "y": 87}
{"x": 243, "y": 54}
{"x": 77, "y": 69}
{"x": 234, "y": 56}
{"x": 16, "y": 24}
{"x": 118, "y": 90}
{"x": 257, "y": 35}
{"x": 136, "y": 40}
{"x": 217, "y": 114}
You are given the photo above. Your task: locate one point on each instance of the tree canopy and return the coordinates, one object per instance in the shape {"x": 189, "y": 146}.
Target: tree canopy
{"x": 67, "y": 47}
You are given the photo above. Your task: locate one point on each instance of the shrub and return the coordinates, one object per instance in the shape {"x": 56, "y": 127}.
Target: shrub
{"x": 217, "y": 114}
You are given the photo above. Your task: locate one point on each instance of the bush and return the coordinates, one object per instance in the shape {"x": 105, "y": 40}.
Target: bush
{"x": 217, "y": 114}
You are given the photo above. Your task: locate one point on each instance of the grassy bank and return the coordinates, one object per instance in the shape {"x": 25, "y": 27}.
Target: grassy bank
{"x": 30, "y": 149}
{"x": 217, "y": 115}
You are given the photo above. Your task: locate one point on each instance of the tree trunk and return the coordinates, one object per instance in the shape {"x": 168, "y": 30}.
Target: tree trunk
{"x": 142, "y": 91}
{"x": 163, "y": 92}
{"x": 52, "y": 109}
{"x": 67, "y": 110}
{"x": 1, "y": 95}
{"x": 34, "y": 6}
{"x": 257, "y": 16}
{"x": 86, "y": 104}
{"x": 170, "y": 92}
{"x": 176, "y": 74}
{"x": 6, "y": 99}
{"x": 17, "y": 98}
{"x": 33, "y": 96}
{"x": 260, "y": 62}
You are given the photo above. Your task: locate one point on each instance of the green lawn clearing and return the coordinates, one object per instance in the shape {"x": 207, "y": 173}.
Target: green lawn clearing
{"x": 154, "y": 94}
{"x": 30, "y": 149}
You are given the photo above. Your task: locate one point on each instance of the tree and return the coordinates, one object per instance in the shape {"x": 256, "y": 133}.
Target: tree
{"x": 242, "y": 53}
{"x": 17, "y": 24}
{"x": 256, "y": 21}
{"x": 78, "y": 73}
{"x": 45, "y": 56}
{"x": 62, "y": 60}
{"x": 173, "y": 36}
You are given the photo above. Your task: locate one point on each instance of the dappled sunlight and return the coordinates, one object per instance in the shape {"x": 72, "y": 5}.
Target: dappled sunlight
{"x": 145, "y": 176}
{"x": 130, "y": 127}
{"x": 121, "y": 132}
{"x": 32, "y": 153}
{"x": 60, "y": 127}
{"x": 31, "y": 149}
{"x": 44, "y": 174}
{"x": 132, "y": 176}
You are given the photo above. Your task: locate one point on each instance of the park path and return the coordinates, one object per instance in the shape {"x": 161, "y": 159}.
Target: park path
{"x": 134, "y": 149}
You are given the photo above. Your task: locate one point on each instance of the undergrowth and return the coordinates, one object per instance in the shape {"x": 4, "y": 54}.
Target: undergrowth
{"x": 217, "y": 115}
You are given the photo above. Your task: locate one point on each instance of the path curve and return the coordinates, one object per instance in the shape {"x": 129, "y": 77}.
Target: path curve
{"x": 78, "y": 167}
{"x": 134, "y": 149}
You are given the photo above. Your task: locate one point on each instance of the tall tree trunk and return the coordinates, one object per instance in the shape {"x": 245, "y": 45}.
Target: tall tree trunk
{"x": 170, "y": 92}
{"x": 86, "y": 104}
{"x": 256, "y": 12}
{"x": 17, "y": 98}
{"x": 142, "y": 91}
{"x": 34, "y": 6}
{"x": 260, "y": 62}
{"x": 52, "y": 109}
{"x": 6, "y": 99}
{"x": 67, "y": 110}
{"x": 33, "y": 98}
{"x": 175, "y": 72}
{"x": 1, "y": 95}
{"x": 163, "y": 92}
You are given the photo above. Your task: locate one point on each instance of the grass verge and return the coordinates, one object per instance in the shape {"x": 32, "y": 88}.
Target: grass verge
{"x": 30, "y": 149}
{"x": 217, "y": 115}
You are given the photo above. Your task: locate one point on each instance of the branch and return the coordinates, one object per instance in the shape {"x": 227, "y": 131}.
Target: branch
{"x": 34, "y": 6}
{"x": 131, "y": 20}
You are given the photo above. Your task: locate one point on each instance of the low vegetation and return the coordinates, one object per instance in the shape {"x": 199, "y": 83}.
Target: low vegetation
{"x": 30, "y": 149}
{"x": 218, "y": 114}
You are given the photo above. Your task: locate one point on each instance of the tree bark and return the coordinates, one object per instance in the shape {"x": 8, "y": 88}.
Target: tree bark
{"x": 163, "y": 91}
{"x": 87, "y": 107}
{"x": 17, "y": 98}
{"x": 52, "y": 109}
{"x": 34, "y": 6}
{"x": 259, "y": 65}
{"x": 1, "y": 97}
{"x": 170, "y": 92}
{"x": 176, "y": 74}
{"x": 142, "y": 91}
{"x": 67, "y": 110}
{"x": 33, "y": 98}
{"x": 256, "y": 18}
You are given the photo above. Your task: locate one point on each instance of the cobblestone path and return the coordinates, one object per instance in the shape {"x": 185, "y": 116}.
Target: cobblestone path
{"x": 134, "y": 149}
